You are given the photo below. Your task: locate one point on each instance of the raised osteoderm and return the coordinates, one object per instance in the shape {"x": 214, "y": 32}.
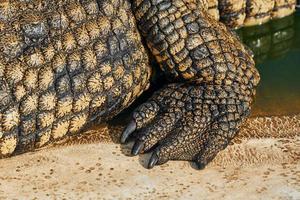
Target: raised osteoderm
{"x": 66, "y": 63}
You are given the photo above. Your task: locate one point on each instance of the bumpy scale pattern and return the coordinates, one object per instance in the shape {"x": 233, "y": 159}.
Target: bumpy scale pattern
{"x": 196, "y": 119}
{"x": 189, "y": 45}
{"x": 232, "y": 12}
{"x": 64, "y": 64}
{"x": 237, "y": 13}
{"x": 258, "y": 10}
{"x": 213, "y": 9}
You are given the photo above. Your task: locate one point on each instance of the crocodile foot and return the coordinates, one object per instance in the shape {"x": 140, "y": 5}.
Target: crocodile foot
{"x": 187, "y": 122}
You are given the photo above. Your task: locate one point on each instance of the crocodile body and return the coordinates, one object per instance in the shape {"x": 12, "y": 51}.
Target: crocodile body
{"x": 237, "y": 13}
{"x": 65, "y": 64}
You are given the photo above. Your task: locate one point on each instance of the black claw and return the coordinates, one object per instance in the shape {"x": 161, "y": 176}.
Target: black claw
{"x": 137, "y": 147}
{"x": 153, "y": 160}
{"x": 129, "y": 129}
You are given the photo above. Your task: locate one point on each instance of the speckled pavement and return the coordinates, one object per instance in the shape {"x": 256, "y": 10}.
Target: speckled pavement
{"x": 254, "y": 167}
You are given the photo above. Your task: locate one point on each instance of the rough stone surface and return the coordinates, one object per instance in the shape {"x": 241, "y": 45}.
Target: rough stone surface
{"x": 258, "y": 169}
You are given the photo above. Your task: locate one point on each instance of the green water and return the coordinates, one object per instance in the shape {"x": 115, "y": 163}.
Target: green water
{"x": 276, "y": 46}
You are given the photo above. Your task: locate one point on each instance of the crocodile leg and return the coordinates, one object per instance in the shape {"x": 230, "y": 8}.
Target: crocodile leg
{"x": 213, "y": 77}
{"x": 194, "y": 122}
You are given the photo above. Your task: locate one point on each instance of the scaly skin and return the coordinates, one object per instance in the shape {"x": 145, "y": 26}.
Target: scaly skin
{"x": 213, "y": 9}
{"x": 63, "y": 65}
{"x": 195, "y": 119}
{"x": 237, "y": 13}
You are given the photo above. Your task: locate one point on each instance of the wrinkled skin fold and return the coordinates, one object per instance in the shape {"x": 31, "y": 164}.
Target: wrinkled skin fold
{"x": 67, "y": 64}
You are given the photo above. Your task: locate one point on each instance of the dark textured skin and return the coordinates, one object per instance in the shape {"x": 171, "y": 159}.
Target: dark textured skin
{"x": 65, "y": 64}
{"x": 196, "y": 119}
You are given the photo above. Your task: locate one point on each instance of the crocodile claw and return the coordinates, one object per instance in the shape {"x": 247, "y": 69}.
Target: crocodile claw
{"x": 137, "y": 147}
{"x": 153, "y": 160}
{"x": 127, "y": 132}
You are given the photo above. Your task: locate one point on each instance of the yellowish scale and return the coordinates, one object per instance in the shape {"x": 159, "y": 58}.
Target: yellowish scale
{"x": 94, "y": 83}
{"x": 47, "y": 101}
{"x": 8, "y": 145}
{"x": 60, "y": 128}
{"x": 76, "y": 12}
{"x": 119, "y": 72}
{"x": 104, "y": 25}
{"x": 49, "y": 53}
{"x": 101, "y": 48}
{"x": 64, "y": 106}
{"x": 11, "y": 44}
{"x": 187, "y": 75}
{"x": 82, "y": 36}
{"x": 30, "y": 78}
{"x": 136, "y": 90}
{"x": 46, "y": 77}
{"x": 10, "y": 119}
{"x": 59, "y": 62}
{"x": 137, "y": 73}
{"x": 122, "y": 15}
{"x": 89, "y": 59}
{"x": 46, "y": 119}
{"x": 116, "y": 92}
{"x": 15, "y": 72}
{"x": 93, "y": 29}
{"x": 29, "y": 104}
{"x": 98, "y": 101}
{"x": 43, "y": 138}
{"x": 105, "y": 68}
{"x": 74, "y": 58}
{"x": 69, "y": 42}
{"x": 92, "y": 7}
{"x": 127, "y": 81}
{"x": 77, "y": 122}
{"x": 19, "y": 92}
{"x": 82, "y": 102}
{"x": 117, "y": 25}
{"x": 108, "y": 8}
{"x": 36, "y": 59}
{"x": 108, "y": 82}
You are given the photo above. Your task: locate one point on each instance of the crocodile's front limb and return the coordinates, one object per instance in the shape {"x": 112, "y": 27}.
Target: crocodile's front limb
{"x": 195, "y": 119}
{"x": 63, "y": 65}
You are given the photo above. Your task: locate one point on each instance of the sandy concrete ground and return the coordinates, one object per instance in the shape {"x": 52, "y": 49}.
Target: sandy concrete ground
{"x": 252, "y": 168}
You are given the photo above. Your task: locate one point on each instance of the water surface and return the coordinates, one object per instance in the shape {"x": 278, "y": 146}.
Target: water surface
{"x": 276, "y": 46}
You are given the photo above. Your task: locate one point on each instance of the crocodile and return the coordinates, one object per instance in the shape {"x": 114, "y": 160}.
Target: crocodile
{"x": 67, "y": 64}
{"x": 238, "y": 13}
